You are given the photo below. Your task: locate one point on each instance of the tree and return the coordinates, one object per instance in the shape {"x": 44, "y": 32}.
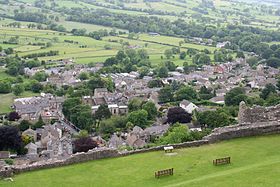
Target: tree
{"x": 69, "y": 104}
{"x": 84, "y": 144}
{"x": 107, "y": 127}
{"x": 252, "y": 61}
{"x": 213, "y": 119}
{"x": 24, "y": 125}
{"x": 13, "y": 116}
{"x": 170, "y": 65}
{"x": 5, "y": 87}
{"x": 36, "y": 87}
{"x": 240, "y": 54}
{"x": 26, "y": 139}
{"x": 18, "y": 89}
{"x": 185, "y": 92}
{"x": 273, "y": 62}
{"x": 102, "y": 112}
{"x": 162, "y": 72}
{"x": 269, "y": 89}
{"x": 150, "y": 107}
{"x": 178, "y": 114}
{"x": 83, "y": 76}
{"x": 165, "y": 95}
{"x": 10, "y": 139}
{"x": 39, "y": 124}
{"x": 272, "y": 99}
{"x": 81, "y": 116}
{"x": 168, "y": 53}
{"x": 201, "y": 59}
{"x": 177, "y": 134}
{"x": 143, "y": 54}
{"x": 134, "y": 104}
{"x": 139, "y": 118}
{"x": 144, "y": 71}
{"x": 183, "y": 55}
{"x": 235, "y": 96}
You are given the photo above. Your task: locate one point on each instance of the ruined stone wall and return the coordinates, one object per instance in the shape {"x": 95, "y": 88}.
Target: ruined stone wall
{"x": 258, "y": 114}
{"x": 243, "y": 130}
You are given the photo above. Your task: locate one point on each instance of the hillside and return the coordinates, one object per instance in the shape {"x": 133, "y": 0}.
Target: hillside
{"x": 255, "y": 162}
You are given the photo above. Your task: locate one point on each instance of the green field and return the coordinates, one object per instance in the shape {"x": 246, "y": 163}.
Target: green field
{"x": 95, "y": 49}
{"x": 255, "y": 162}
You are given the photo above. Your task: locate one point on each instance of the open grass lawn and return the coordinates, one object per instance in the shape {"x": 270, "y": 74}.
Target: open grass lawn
{"x": 255, "y": 162}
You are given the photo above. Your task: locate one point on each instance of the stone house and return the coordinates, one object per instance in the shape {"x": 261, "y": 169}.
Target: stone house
{"x": 61, "y": 147}
{"x": 136, "y": 138}
{"x": 116, "y": 142}
{"x": 32, "y": 150}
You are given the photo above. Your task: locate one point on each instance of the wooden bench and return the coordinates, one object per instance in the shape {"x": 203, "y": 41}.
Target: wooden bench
{"x": 168, "y": 149}
{"x": 166, "y": 172}
{"x": 221, "y": 161}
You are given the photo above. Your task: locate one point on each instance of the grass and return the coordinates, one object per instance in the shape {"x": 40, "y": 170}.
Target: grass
{"x": 255, "y": 162}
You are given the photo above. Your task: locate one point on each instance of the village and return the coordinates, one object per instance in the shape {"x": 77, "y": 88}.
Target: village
{"x": 55, "y": 138}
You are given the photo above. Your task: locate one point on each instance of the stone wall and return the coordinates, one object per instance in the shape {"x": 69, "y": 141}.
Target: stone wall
{"x": 76, "y": 158}
{"x": 252, "y": 122}
{"x": 243, "y": 130}
{"x": 258, "y": 114}
{"x": 90, "y": 155}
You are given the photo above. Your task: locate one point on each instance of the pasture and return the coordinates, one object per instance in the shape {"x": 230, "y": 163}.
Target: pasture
{"x": 255, "y": 162}
{"x": 86, "y": 50}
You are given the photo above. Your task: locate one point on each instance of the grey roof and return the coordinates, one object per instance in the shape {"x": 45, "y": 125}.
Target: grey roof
{"x": 185, "y": 102}
{"x": 157, "y": 130}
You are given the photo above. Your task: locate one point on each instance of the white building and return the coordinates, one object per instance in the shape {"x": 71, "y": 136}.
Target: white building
{"x": 188, "y": 106}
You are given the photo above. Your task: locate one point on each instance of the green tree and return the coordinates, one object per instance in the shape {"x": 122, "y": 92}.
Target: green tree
{"x": 5, "y": 87}
{"x": 177, "y": 134}
{"x": 150, "y": 107}
{"x": 168, "y": 53}
{"x": 240, "y": 54}
{"x": 39, "y": 124}
{"x": 83, "y": 76}
{"x": 170, "y": 65}
{"x": 235, "y": 96}
{"x": 165, "y": 95}
{"x": 162, "y": 72}
{"x": 185, "y": 92}
{"x": 40, "y": 76}
{"x": 252, "y": 61}
{"x": 269, "y": 88}
{"x": 18, "y": 89}
{"x": 102, "y": 112}
{"x": 201, "y": 59}
{"x": 69, "y": 104}
{"x": 183, "y": 55}
{"x": 134, "y": 104}
{"x": 273, "y": 62}
{"x": 213, "y": 119}
{"x": 139, "y": 118}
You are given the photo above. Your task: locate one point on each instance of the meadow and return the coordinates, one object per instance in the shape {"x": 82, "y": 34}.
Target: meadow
{"x": 255, "y": 162}
{"x": 95, "y": 50}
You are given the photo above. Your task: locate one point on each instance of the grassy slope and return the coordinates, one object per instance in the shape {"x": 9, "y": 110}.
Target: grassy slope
{"x": 256, "y": 162}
